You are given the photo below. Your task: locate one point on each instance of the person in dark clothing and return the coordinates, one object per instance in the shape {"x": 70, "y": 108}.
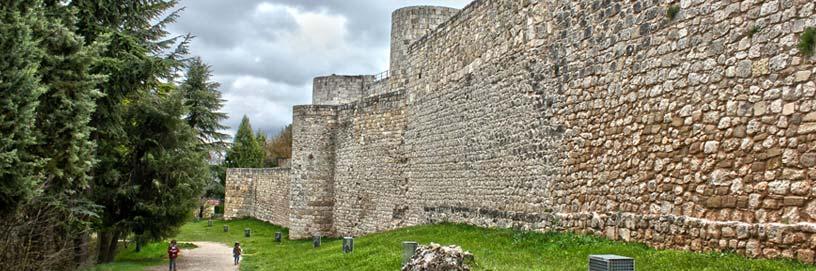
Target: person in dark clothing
{"x": 172, "y": 253}
{"x": 236, "y": 252}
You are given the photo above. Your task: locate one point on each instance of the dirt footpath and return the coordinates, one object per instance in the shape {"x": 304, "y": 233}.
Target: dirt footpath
{"x": 207, "y": 256}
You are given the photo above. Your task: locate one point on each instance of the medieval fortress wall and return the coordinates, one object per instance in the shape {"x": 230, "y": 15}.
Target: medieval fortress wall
{"x": 262, "y": 193}
{"x": 696, "y": 132}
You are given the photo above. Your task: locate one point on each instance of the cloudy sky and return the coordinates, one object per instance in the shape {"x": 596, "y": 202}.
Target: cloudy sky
{"x": 266, "y": 52}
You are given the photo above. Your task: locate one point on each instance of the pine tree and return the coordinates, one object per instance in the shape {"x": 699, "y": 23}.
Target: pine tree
{"x": 133, "y": 174}
{"x": 167, "y": 169}
{"x": 65, "y": 109}
{"x": 20, "y": 89}
{"x": 55, "y": 157}
{"x": 245, "y": 151}
{"x": 261, "y": 138}
{"x": 203, "y": 102}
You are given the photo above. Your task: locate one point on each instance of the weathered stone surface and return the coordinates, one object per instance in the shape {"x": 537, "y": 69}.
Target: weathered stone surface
{"x": 676, "y": 134}
{"x": 258, "y": 192}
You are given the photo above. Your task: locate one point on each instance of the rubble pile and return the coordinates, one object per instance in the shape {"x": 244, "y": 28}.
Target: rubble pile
{"x": 435, "y": 257}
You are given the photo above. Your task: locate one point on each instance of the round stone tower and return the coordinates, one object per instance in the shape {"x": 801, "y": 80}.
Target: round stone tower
{"x": 408, "y": 24}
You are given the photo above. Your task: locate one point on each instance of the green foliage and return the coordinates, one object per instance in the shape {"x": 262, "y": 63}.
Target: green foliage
{"x": 245, "y": 151}
{"x": 66, "y": 107}
{"x": 150, "y": 167}
{"x": 754, "y": 30}
{"x": 203, "y": 102}
{"x": 672, "y": 12}
{"x": 215, "y": 187}
{"x": 280, "y": 147}
{"x": 807, "y": 41}
{"x": 166, "y": 172}
{"x": 20, "y": 90}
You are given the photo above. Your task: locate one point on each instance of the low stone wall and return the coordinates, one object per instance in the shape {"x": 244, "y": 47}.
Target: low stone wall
{"x": 262, "y": 193}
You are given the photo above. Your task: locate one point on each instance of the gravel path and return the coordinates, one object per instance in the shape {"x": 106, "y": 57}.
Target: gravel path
{"x": 207, "y": 256}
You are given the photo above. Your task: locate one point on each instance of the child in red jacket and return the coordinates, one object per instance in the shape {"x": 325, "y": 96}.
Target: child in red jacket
{"x": 172, "y": 253}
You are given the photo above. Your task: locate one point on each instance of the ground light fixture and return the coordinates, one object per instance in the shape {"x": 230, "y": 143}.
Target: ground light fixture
{"x": 348, "y": 244}
{"x": 607, "y": 262}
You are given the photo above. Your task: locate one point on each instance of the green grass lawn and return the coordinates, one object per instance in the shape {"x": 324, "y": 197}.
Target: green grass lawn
{"x": 494, "y": 249}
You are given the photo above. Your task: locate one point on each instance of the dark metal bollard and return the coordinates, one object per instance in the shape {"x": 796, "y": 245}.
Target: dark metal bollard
{"x": 408, "y": 251}
{"x": 348, "y": 244}
{"x": 247, "y": 232}
{"x": 278, "y": 237}
{"x": 226, "y": 228}
{"x": 316, "y": 241}
{"x": 209, "y": 223}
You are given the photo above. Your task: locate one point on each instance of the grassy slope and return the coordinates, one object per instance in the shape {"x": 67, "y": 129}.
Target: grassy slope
{"x": 494, "y": 249}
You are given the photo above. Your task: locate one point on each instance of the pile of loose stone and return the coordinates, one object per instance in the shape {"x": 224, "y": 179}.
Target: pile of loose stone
{"x": 435, "y": 257}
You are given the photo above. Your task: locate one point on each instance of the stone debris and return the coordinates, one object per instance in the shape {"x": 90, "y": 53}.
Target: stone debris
{"x": 435, "y": 257}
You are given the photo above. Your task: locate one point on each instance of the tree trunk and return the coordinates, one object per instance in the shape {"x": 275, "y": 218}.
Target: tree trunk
{"x": 107, "y": 246}
{"x": 103, "y": 240}
{"x": 81, "y": 249}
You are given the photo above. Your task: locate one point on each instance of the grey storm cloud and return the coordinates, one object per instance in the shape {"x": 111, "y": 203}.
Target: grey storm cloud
{"x": 265, "y": 53}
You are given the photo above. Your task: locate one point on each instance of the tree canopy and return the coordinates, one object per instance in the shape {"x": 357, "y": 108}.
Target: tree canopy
{"x": 246, "y": 152}
{"x": 96, "y": 130}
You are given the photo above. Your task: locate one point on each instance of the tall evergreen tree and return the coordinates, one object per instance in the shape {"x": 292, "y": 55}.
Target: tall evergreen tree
{"x": 20, "y": 89}
{"x": 57, "y": 145}
{"x": 65, "y": 109}
{"x": 245, "y": 151}
{"x": 203, "y": 102}
{"x": 132, "y": 179}
{"x": 167, "y": 170}
{"x": 262, "y": 142}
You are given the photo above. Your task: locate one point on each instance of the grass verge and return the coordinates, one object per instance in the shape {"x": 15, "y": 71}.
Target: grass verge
{"x": 494, "y": 249}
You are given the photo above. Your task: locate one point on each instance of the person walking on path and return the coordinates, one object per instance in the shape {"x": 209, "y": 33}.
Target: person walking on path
{"x": 172, "y": 253}
{"x": 236, "y": 252}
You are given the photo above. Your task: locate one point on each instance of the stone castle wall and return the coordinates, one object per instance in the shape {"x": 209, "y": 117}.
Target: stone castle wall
{"x": 408, "y": 25}
{"x": 614, "y": 119}
{"x": 369, "y": 161}
{"x": 313, "y": 165}
{"x": 696, "y": 132}
{"x": 340, "y": 89}
{"x": 262, "y": 193}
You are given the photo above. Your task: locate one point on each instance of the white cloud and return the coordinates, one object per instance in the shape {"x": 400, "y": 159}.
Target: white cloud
{"x": 265, "y": 53}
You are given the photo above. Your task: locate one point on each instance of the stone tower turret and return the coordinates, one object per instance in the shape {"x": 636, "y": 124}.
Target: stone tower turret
{"x": 408, "y": 24}
{"x": 339, "y": 89}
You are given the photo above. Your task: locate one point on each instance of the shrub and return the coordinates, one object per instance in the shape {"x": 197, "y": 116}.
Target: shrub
{"x": 754, "y": 29}
{"x": 672, "y": 12}
{"x": 807, "y": 41}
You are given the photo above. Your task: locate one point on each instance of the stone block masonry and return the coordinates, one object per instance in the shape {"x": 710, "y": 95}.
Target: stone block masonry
{"x": 694, "y": 132}
{"x": 313, "y": 165}
{"x": 340, "y": 89}
{"x": 262, "y": 193}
